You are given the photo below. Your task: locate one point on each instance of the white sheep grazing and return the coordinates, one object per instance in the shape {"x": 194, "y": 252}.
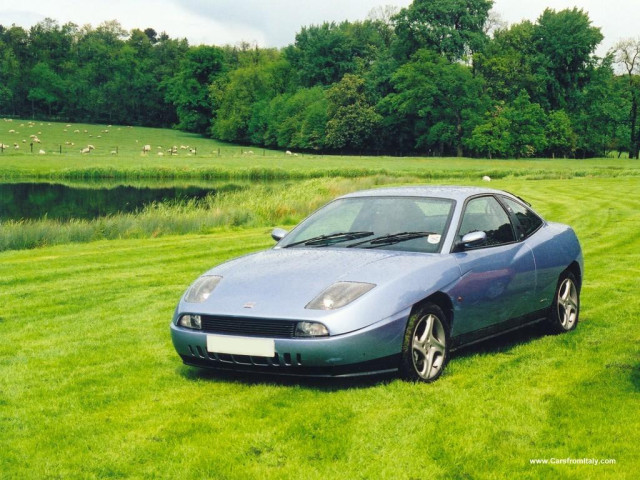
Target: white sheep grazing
{"x": 161, "y": 154}
{"x": 91, "y": 147}
{"x": 288, "y": 152}
{"x": 42, "y": 152}
{"x": 146, "y": 149}
{"x": 16, "y": 146}
{"x": 85, "y": 150}
{"x": 486, "y": 178}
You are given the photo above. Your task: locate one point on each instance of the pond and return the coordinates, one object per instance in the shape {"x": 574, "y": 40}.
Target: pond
{"x": 64, "y": 202}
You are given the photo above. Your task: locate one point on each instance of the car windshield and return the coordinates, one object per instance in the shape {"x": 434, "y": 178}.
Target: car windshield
{"x": 415, "y": 224}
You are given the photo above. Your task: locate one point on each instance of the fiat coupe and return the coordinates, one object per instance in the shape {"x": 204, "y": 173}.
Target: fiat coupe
{"x": 384, "y": 280}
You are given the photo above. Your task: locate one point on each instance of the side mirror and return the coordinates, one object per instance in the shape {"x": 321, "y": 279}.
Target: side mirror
{"x": 473, "y": 239}
{"x": 278, "y": 234}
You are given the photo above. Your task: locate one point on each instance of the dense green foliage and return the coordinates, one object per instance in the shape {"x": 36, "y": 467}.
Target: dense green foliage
{"x": 433, "y": 78}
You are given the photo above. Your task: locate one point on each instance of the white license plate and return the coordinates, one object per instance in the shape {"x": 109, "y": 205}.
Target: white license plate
{"x": 255, "y": 347}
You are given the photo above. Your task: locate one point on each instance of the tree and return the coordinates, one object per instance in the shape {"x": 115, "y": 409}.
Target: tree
{"x": 352, "y": 121}
{"x": 188, "y": 90}
{"x": 515, "y": 130}
{"x": 627, "y": 54}
{"x": 527, "y": 123}
{"x": 493, "y": 136}
{"x": 242, "y": 95}
{"x": 45, "y": 89}
{"x": 565, "y": 42}
{"x": 323, "y": 54}
{"x": 453, "y": 28}
{"x": 443, "y": 101}
{"x": 560, "y": 135}
{"x": 506, "y": 63}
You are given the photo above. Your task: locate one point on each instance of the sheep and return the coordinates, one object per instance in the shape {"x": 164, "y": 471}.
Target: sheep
{"x": 91, "y": 147}
{"x": 114, "y": 152}
{"x": 85, "y": 150}
{"x": 146, "y": 149}
{"x": 76, "y": 131}
{"x": 161, "y": 153}
{"x": 486, "y": 178}
{"x": 16, "y": 146}
{"x": 288, "y": 152}
{"x": 42, "y": 152}
{"x": 12, "y": 131}
{"x": 3, "y": 146}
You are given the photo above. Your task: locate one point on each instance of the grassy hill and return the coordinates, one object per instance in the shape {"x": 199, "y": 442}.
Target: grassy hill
{"x": 214, "y": 160}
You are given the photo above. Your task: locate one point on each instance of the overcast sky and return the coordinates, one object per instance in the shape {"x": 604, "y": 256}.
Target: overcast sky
{"x": 274, "y": 23}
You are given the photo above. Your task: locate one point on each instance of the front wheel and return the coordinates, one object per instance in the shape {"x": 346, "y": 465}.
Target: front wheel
{"x": 425, "y": 349}
{"x": 566, "y": 305}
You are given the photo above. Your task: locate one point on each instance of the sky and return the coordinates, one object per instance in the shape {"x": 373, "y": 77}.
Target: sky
{"x": 274, "y": 23}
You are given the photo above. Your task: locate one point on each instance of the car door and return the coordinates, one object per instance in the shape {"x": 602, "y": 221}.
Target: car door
{"x": 497, "y": 279}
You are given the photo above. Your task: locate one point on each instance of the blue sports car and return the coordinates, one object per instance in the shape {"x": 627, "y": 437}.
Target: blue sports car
{"x": 385, "y": 280}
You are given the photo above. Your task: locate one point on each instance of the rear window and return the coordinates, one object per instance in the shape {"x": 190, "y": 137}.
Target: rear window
{"x": 528, "y": 222}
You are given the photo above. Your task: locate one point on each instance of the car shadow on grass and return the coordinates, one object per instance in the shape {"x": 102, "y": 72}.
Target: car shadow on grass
{"x": 265, "y": 379}
{"x": 505, "y": 342}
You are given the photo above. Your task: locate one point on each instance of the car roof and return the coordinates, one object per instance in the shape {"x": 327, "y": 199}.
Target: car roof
{"x": 442, "y": 191}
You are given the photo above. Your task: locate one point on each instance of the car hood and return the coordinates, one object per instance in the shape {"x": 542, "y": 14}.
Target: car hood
{"x": 279, "y": 283}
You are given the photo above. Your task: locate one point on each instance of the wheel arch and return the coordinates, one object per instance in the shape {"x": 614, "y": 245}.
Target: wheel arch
{"x": 443, "y": 301}
{"x": 574, "y": 268}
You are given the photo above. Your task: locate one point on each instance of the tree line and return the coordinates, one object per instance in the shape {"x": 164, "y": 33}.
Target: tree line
{"x": 440, "y": 77}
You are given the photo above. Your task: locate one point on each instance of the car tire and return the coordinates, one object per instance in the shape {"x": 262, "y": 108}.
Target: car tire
{"x": 425, "y": 349}
{"x": 565, "y": 308}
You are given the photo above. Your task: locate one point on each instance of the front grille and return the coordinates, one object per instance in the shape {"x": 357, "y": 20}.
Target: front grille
{"x": 253, "y": 327}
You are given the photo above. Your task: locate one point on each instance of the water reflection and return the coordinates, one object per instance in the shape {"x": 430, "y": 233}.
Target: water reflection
{"x": 63, "y": 202}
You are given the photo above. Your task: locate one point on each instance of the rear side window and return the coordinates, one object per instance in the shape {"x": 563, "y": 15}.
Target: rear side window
{"x": 527, "y": 221}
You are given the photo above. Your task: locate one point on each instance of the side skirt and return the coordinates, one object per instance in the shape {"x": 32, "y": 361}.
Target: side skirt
{"x": 492, "y": 331}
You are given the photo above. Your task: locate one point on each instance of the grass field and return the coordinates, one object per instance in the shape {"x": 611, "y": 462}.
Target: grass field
{"x": 214, "y": 160}
{"x": 90, "y": 386}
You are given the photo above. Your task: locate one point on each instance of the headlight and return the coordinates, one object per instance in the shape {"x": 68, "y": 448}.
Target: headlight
{"x": 191, "y": 321}
{"x": 311, "y": 329}
{"x": 200, "y": 290}
{"x": 338, "y": 295}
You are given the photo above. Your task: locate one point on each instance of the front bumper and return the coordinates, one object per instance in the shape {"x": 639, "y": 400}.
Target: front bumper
{"x": 374, "y": 349}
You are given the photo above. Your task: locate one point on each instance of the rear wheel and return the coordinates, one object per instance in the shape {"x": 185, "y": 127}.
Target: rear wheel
{"x": 425, "y": 350}
{"x": 565, "y": 309}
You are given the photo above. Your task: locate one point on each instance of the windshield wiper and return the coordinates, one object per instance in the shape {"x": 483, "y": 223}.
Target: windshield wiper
{"x": 330, "y": 239}
{"x": 392, "y": 238}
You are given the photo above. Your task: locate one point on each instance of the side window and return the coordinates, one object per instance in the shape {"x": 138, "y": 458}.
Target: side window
{"x": 528, "y": 222}
{"x": 485, "y": 214}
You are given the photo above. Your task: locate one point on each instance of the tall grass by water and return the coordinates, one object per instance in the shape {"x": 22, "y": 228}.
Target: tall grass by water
{"x": 258, "y": 205}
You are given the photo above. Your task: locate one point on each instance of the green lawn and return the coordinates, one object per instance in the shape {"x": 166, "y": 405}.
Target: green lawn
{"x": 90, "y": 386}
